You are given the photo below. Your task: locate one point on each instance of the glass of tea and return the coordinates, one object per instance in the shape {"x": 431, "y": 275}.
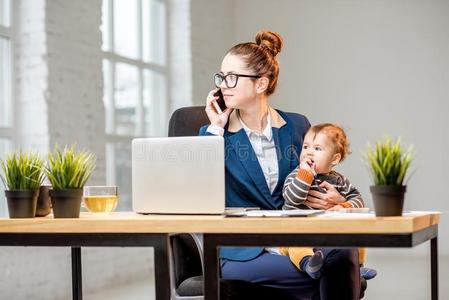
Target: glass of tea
{"x": 100, "y": 199}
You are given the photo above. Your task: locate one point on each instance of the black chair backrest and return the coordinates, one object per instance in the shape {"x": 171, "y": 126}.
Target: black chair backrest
{"x": 186, "y": 257}
{"x": 186, "y": 121}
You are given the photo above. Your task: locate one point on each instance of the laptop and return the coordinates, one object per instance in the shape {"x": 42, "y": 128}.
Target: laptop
{"x": 178, "y": 175}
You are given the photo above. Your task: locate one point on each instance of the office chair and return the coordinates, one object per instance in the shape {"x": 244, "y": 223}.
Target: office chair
{"x": 186, "y": 267}
{"x": 186, "y": 255}
{"x": 186, "y": 274}
{"x": 186, "y": 121}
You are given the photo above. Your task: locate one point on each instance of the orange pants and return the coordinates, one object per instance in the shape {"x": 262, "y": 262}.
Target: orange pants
{"x": 296, "y": 254}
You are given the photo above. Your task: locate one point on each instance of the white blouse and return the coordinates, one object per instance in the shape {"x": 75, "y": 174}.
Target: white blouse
{"x": 264, "y": 148}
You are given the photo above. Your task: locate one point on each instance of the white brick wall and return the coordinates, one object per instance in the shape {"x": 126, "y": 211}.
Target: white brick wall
{"x": 30, "y": 72}
{"x": 41, "y": 273}
{"x": 180, "y": 54}
{"x": 75, "y": 82}
{"x": 59, "y": 100}
{"x": 58, "y": 97}
{"x": 35, "y": 273}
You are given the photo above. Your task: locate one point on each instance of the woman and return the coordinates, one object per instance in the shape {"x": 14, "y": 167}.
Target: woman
{"x": 262, "y": 148}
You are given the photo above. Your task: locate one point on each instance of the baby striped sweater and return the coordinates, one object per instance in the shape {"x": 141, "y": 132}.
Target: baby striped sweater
{"x": 299, "y": 182}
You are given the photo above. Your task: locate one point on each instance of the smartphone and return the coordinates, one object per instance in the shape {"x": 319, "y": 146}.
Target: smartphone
{"x": 219, "y": 103}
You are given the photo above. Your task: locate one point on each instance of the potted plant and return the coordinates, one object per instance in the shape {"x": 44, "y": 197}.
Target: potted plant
{"x": 23, "y": 174}
{"x": 43, "y": 206}
{"x": 68, "y": 171}
{"x": 388, "y": 163}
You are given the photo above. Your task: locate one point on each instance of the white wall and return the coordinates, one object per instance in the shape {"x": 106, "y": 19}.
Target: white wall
{"x": 211, "y": 36}
{"x": 375, "y": 67}
{"x": 180, "y": 62}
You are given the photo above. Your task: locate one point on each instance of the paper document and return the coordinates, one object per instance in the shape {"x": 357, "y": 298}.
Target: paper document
{"x": 276, "y": 213}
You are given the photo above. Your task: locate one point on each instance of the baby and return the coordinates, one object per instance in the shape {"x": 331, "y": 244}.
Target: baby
{"x": 325, "y": 146}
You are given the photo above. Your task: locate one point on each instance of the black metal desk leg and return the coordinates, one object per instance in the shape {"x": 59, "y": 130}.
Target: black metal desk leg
{"x": 434, "y": 267}
{"x": 162, "y": 268}
{"x": 77, "y": 288}
{"x": 211, "y": 269}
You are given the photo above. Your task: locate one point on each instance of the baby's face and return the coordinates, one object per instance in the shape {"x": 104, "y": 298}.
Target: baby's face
{"x": 320, "y": 150}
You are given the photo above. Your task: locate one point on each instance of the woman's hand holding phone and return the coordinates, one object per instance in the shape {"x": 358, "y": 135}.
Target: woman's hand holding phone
{"x": 216, "y": 118}
{"x": 219, "y": 102}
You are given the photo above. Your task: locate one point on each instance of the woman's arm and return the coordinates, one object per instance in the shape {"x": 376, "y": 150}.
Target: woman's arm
{"x": 346, "y": 196}
{"x": 352, "y": 195}
{"x": 327, "y": 200}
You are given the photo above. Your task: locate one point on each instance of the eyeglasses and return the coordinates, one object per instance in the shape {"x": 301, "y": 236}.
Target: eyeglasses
{"x": 230, "y": 79}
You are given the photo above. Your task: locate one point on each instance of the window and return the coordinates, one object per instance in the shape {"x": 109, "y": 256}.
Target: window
{"x": 5, "y": 86}
{"x": 135, "y": 76}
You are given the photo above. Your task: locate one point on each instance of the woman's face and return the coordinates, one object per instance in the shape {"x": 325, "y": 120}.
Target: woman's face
{"x": 244, "y": 93}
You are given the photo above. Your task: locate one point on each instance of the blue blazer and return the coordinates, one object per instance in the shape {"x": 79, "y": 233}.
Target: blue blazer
{"x": 245, "y": 181}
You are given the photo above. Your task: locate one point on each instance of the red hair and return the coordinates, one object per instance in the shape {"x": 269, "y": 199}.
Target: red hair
{"x": 336, "y": 134}
{"x": 260, "y": 56}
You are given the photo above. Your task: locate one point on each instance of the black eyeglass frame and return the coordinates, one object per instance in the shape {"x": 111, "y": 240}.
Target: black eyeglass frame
{"x": 223, "y": 77}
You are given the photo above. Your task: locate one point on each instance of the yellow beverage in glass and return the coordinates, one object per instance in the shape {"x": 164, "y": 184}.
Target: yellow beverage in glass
{"x": 100, "y": 199}
{"x": 100, "y": 204}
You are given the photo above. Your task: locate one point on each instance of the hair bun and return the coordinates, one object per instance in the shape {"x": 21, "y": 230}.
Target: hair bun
{"x": 270, "y": 40}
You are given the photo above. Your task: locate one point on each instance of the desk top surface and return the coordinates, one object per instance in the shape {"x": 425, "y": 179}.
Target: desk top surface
{"x": 129, "y": 222}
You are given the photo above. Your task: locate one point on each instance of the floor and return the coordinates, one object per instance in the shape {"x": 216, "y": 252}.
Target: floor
{"x": 131, "y": 291}
{"x": 400, "y": 276}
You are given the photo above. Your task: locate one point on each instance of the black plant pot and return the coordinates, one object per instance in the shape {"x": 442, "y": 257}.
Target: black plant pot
{"x": 388, "y": 199}
{"x": 22, "y": 203}
{"x": 43, "y": 207}
{"x": 66, "y": 203}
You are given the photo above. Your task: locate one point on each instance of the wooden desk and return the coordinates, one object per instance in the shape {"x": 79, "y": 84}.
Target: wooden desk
{"x": 129, "y": 229}
{"x": 348, "y": 230}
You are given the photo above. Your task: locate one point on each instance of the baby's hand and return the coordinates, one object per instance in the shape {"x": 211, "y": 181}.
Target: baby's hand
{"x": 308, "y": 165}
{"x": 335, "y": 208}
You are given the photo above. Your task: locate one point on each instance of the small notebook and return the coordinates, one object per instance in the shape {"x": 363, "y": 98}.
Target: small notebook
{"x": 275, "y": 213}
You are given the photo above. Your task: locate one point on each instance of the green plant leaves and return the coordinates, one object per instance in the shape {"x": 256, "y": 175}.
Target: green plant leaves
{"x": 23, "y": 171}
{"x": 388, "y": 162}
{"x": 68, "y": 169}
